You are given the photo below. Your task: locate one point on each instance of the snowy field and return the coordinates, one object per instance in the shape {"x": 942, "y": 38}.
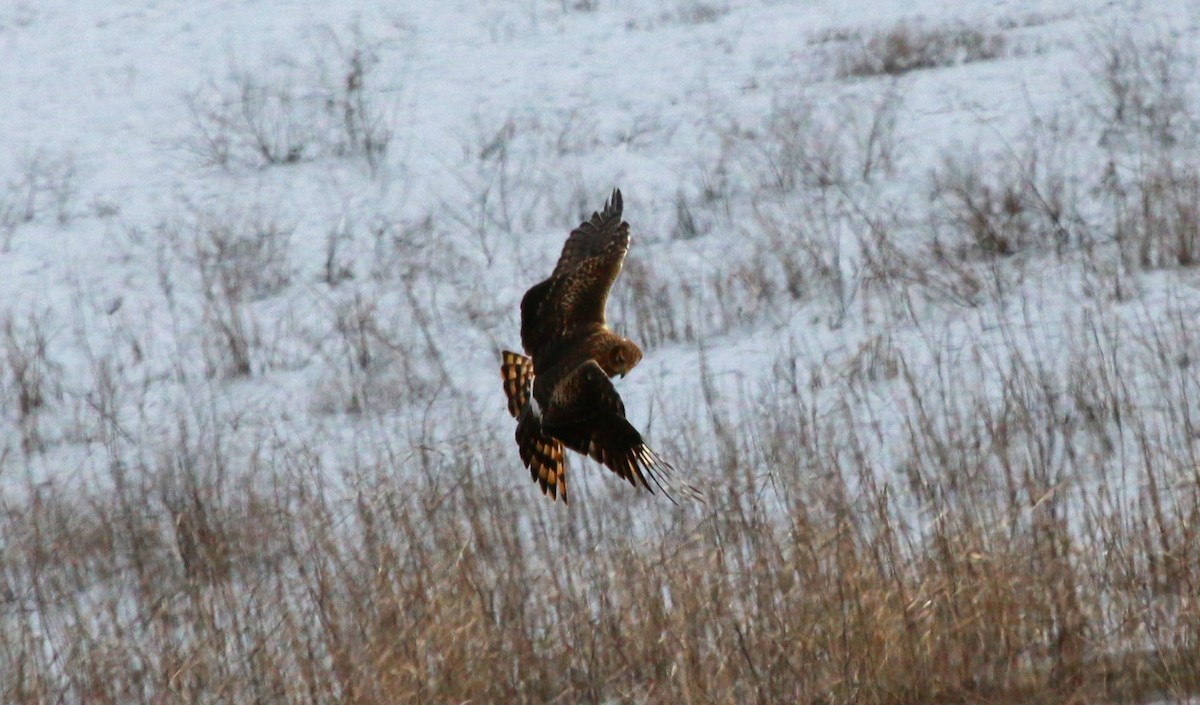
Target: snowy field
{"x": 916, "y": 284}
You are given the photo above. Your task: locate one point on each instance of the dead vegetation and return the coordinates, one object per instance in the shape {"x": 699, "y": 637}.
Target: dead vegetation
{"x": 1013, "y": 557}
{"x": 295, "y": 110}
{"x": 988, "y": 516}
{"x": 905, "y": 48}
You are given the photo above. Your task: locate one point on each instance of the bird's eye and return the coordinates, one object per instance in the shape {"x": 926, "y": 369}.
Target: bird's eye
{"x": 620, "y": 356}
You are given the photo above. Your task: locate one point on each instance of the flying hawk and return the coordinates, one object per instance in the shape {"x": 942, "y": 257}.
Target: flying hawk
{"x": 561, "y": 394}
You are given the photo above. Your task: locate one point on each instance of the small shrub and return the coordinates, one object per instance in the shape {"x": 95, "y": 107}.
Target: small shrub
{"x": 805, "y": 144}
{"x": 805, "y": 258}
{"x": 44, "y": 188}
{"x": 1145, "y": 96}
{"x": 1001, "y": 212}
{"x": 807, "y": 243}
{"x": 799, "y": 149}
{"x": 683, "y": 12}
{"x": 336, "y": 269}
{"x": 1157, "y": 215}
{"x": 251, "y": 121}
{"x": 699, "y": 11}
{"x": 400, "y": 249}
{"x": 648, "y": 305}
{"x": 294, "y": 112}
{"x": 233, "y": 259}
{"x": 502, "y": 182}
{"x": 245, "y": 256}
{"x": 580, "y": 6}
{"x": 368, "y": 371}
{"x": 348, "y": 90}
{"x": 903, "y": 48}
{"x": 994, "y": 216}
{"x": 32, "y": 381}
{"x": 10, "y": 220}
{"x": 686, "y": 226}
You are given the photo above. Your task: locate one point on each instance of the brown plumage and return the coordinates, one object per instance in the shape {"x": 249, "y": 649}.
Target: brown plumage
{"x": 561, "y": 394}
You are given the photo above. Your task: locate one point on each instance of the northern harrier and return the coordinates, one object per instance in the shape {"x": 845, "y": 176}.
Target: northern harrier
{"x": 561, "y": 394}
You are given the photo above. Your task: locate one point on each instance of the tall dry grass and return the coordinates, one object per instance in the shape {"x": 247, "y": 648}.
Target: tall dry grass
{"x": 1032, "y": 540}
{"x": 1011, "y": 520}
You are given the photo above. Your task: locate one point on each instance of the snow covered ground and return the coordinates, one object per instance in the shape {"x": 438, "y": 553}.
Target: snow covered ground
{"x": 137, "y": 140}
{"x": 309, "y": 224}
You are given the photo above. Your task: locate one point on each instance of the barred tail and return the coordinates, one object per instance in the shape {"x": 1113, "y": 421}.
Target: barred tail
{"x": 517, "y": 372}
{"x": 542, "y": 454}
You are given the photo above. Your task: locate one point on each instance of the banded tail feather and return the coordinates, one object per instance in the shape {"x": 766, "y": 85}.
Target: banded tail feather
{"x": 517, "y": 372}
{"x": 542, "y": 454}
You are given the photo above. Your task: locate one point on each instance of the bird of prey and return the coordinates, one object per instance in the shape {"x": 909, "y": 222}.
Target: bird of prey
{"x": 561, "y": 393}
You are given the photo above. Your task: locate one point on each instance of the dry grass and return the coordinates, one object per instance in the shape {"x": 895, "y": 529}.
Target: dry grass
{"x": 1004, "y": 209}
{"x": 42, "y": 186}
{"x": 904, "y": 48}
{"x": 1017, "y": 555}
{"x": 1009, "y": 521}
{"x": 1157, "y": 211}
{"x": 295, "y": 110}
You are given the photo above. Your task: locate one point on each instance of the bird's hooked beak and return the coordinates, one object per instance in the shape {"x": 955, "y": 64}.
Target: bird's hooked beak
{"x": 623, "y": 375}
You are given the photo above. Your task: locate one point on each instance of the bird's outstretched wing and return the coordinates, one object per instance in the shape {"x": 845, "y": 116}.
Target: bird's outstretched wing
{"x": 576, "y": 292}
{"x": 587, "y": 415}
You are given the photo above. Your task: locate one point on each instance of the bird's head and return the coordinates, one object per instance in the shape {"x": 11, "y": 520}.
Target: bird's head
{"x": 620, "y": 356}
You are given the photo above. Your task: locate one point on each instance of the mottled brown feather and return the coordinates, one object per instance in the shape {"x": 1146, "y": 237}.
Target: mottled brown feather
{"x": 576, "y": 293}
{"x": 587, "y": 415}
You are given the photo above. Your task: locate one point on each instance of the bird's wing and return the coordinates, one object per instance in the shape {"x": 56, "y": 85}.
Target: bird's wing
{"x": 587, "y": 415}
{"x": 577, "y": 291}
